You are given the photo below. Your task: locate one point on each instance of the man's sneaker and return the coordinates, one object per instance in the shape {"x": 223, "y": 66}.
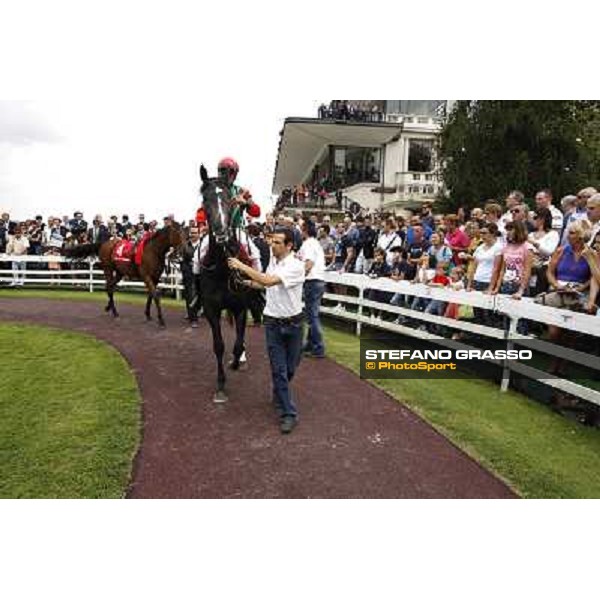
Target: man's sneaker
{"x": 287, "y": 424}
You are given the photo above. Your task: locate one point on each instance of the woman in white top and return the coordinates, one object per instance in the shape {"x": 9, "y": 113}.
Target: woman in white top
{"x": 544, "y": 241}
{"x": 480, "y": 275}
{"x": 484, "y": 257}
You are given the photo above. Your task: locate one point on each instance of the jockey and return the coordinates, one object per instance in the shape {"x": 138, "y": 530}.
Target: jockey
{"x": 242, "y": 200}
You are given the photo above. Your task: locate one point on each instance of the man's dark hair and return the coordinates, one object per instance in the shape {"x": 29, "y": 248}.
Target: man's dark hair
{"x": 326, "y": 228}
{"x": 310, "y": 228}
{"x": 288, "y": 235}
{"x": 253, "y": 230}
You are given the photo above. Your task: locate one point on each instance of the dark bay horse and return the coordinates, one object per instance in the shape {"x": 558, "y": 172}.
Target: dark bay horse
{"x": 151, "y": 267}
{"x": 221, "y": 287}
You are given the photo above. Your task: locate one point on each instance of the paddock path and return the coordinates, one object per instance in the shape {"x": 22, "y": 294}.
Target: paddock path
{"x": 353, "y": 440}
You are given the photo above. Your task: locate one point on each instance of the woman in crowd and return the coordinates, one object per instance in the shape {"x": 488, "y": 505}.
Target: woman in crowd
{"x": 591, "y": 253}
{"x": 439, "y": 253}
{"x": 379, "y": 268}
{"x": 569, "y": 278}
{"x": 512, "y": 268}
{"x": 544, "y": 241}
{"x": 484, "y": 257}
{"x": 472, "y": 230}
{"x": 456, "y": 239}
{"x": 569, "y": 272}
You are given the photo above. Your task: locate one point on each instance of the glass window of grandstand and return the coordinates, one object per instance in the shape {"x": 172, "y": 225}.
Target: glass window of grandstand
{"x": 420, "y": 156}
{"x": 356, "y": 165}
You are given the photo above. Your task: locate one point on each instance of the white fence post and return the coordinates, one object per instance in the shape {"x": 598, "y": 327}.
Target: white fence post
{"x": 511, "y": 331}
{"x": 361, "y": 297}
{"x": 91, "y": 263}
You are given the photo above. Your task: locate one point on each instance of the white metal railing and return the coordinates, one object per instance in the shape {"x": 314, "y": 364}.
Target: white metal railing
{"x": 88, "y": 277}
{"x": 505, "y": 305}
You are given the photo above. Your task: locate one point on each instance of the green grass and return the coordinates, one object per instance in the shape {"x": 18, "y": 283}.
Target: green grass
{"x": 538, "y": 453}
{"x": 70, "y": 417}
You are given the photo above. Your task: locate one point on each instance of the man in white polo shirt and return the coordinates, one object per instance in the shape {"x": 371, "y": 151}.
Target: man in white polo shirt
{"x": 312, "y": 255}
{"x": 543, "y": 199}
{"x": 283, "y": 318}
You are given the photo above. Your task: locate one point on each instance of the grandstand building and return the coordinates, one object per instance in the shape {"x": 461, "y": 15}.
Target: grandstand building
{"x": 380, "y": 153}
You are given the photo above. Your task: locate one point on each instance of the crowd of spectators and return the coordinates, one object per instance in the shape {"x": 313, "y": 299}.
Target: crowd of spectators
{"x": 540, "y": 251}
{"x": 39, "y": 237}
{"x": 316, "y": 196}
{"x": 544, "y": 251}
{"x": 345, "y": 110}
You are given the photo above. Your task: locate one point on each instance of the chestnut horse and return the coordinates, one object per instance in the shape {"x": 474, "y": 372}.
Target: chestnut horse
{"x": 150, "y": 270}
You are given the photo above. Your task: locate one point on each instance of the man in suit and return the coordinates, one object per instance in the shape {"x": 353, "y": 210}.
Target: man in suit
{"x": 78, "y": 225}
{"x": 190, "y": 273}
{"x": 98, "y": 233}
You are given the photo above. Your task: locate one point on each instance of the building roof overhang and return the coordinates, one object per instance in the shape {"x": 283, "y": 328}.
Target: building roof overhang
{"x": 304, "y": 140}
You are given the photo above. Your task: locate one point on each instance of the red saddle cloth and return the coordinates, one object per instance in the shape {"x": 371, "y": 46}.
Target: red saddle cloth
{"x": 123, "y": 251}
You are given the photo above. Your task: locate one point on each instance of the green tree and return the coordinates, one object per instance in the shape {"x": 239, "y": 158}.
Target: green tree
{"x": 488, "y": 148}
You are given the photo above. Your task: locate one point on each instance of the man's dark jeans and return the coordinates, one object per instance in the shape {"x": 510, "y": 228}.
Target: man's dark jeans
{"x": 284, "y": 346}
{"x": 313, "y": 292}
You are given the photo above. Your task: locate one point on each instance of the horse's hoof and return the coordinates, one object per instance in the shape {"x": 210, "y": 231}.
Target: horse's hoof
{"x": 115, "y": 315}
{"x": 107, "y": 308}
{"x": 162, "y": 324}
{"x": 243, "y": 366}
{"x": 220, "y": 397}
{"x": 148, "y": 318}
{"x": 233, "y": 365}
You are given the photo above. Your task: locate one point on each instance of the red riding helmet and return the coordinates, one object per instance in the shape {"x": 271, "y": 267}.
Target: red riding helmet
{"x": 200, "y": 216}
{"x": 230, "y": 167}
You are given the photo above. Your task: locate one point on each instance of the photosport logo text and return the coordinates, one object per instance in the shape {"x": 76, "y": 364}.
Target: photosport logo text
{"x": 379, "y": 362}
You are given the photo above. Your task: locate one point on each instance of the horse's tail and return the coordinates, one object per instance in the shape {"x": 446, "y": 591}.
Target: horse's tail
{"x": 81, "y": 250}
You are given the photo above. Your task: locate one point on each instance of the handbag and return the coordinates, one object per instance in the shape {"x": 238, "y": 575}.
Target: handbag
{"x": 568, "y": 299}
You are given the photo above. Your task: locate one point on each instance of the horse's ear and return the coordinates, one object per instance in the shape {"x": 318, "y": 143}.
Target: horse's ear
{"x": 203, "y": 173}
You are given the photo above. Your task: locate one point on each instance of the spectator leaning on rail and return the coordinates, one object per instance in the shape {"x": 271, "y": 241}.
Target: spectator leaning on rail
{"x": 283, "y": 318}
{"x": 484, "y": 257}
{"x": 543, "y": 242}
{"x": 313, "y": 257}
{"x": 365, "y": 247}
{"x": 18, "y": 246}
{"x": 512, "y": 268}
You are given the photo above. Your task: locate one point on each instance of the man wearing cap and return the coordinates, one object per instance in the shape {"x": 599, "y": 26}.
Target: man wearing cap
{"x": 283, "y": 319}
